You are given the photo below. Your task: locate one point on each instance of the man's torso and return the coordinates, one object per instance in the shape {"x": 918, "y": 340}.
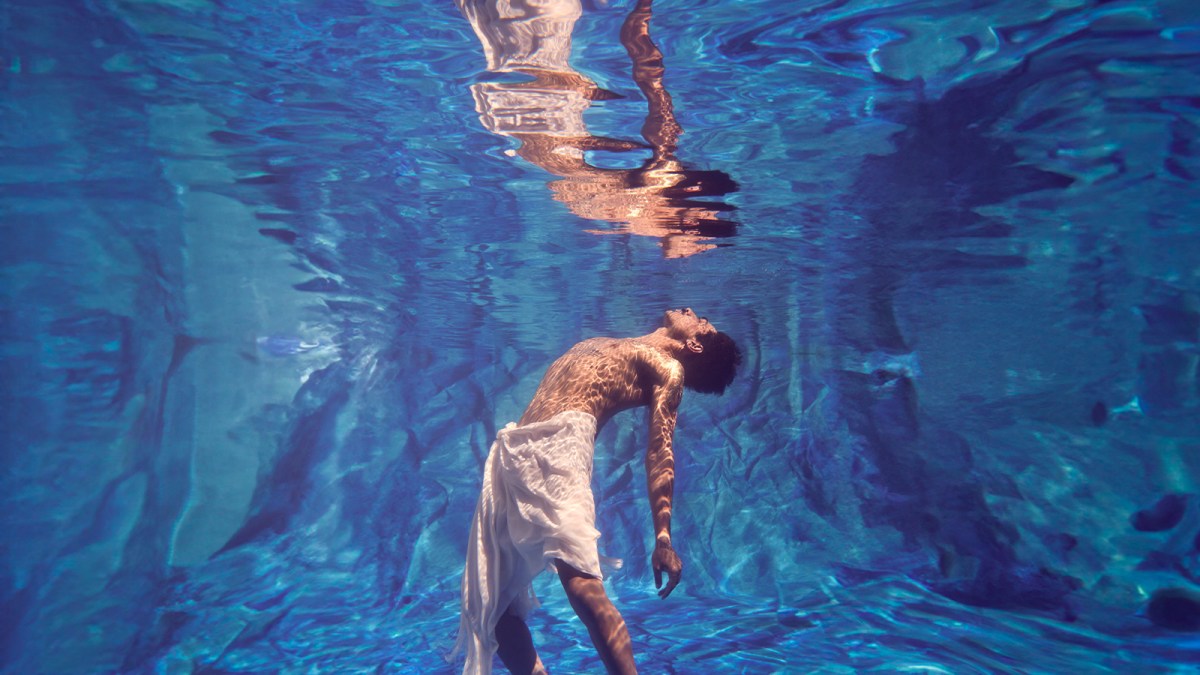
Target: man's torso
{"x": 600, "y": 376}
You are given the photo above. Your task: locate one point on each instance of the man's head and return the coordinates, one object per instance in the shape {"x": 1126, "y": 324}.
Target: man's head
{"x": 710, "y": 358}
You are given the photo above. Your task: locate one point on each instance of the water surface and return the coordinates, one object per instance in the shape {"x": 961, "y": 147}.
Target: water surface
{"x": 274, "y": 274}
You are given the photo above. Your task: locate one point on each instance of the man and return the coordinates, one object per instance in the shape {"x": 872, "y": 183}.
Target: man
{"x": 536, "y": 505}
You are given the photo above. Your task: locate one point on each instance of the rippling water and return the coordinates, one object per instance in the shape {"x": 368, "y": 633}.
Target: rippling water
{"x": 274, "y": 274}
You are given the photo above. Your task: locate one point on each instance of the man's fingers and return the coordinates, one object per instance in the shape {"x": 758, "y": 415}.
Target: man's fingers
{"x": 665, "y": 560}
{"x": 672, "y": 582}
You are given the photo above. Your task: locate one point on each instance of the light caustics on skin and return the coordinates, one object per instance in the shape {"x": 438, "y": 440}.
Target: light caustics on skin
{"x": 601, "y": 377}
{"x": 545, "y": 115}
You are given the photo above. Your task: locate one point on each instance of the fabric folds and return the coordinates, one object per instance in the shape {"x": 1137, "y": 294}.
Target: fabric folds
{"x": 536, "y": 506}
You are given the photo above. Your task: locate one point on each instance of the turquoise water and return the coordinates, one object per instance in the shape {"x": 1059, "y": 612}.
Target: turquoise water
{"x": 275, "y": 273}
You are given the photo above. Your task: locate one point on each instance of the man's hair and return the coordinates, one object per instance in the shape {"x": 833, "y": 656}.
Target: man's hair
{"x": 711, "y": 371}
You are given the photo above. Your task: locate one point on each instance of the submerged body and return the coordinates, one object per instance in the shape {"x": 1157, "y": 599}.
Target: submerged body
{"x": 536, "y": 505}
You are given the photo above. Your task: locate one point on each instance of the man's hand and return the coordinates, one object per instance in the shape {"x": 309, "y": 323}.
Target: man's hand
{"x": 665, "y": 560}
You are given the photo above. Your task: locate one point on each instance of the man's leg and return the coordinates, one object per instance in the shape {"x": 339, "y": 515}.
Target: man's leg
{"x": 603, "y": 621}
{"x": 514, "y": 644}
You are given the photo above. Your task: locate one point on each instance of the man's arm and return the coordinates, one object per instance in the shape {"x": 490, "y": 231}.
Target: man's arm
{"x": 660, "y": 474}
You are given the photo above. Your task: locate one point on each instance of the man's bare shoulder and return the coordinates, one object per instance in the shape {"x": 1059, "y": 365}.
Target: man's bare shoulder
{"x": 596, "y": 345}
{"x": 620, "y": 347}
{"x": 603, "y": 376}
{"x": 633, "y": 352}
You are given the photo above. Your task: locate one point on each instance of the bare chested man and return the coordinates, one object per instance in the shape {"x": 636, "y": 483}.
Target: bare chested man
{"x": 536, "y": 506}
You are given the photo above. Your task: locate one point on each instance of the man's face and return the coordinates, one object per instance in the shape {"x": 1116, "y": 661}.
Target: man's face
{"x": 683, "y": 324}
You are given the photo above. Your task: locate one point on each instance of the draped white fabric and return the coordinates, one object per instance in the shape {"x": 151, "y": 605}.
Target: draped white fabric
{"x": 536, "y": 506}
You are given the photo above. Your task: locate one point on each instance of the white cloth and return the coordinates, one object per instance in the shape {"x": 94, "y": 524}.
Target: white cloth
{"x": 536, "y": 505}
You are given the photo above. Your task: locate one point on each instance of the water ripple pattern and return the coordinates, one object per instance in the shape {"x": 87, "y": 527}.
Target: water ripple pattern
{"x": 272, "y": 280}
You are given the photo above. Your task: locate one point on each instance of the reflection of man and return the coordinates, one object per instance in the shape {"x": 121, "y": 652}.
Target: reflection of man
{"x": 536, "y": 504}
{"x": 546, "y": 116}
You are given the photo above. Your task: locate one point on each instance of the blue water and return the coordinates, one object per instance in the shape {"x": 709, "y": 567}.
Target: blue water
{"x": 273, "y": 276}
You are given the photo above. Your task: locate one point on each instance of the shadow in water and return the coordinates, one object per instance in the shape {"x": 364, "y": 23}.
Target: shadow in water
{"x": 916, "y": 474}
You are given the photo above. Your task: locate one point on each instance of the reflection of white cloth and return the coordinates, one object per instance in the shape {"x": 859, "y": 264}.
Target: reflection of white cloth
{"x": 508, "y": 109}
{"x": 536, "y": 505}
{"x": 527, "y": 35}
{"x": 523, "y": 33}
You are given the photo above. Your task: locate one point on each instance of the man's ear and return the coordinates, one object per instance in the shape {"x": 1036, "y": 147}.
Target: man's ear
{"x": 694, "y": 345}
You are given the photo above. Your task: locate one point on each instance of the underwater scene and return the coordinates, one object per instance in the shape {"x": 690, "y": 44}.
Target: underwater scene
{"x": 275, "y": 275}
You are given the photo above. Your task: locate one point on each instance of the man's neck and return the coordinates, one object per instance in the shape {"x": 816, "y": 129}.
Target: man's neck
{"x": 662, "y": 341}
